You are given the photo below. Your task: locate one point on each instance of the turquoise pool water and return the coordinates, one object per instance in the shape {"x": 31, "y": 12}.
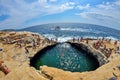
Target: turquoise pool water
{"x": 66, "y": 57}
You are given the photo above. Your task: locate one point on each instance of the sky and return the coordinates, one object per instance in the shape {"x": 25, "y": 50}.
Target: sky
{"x": 17, "y": 14}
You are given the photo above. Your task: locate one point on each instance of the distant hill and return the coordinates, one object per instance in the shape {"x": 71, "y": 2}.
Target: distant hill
{"x": 8, "y": 30}
{"x": 70, "y": 30}
{"x": 38, "y": 28}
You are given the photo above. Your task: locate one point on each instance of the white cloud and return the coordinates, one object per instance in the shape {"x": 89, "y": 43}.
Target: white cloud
{"x": 71, "y": 3}
{"x": 21, "y": 11}
{"x": 67, "y": 6}
{"x": 80, "y": 7}
{"x": 103, "y": 14}
{"x": 118, "y": 3}
{"x": 42, "y": 1}
{"x": 52, "y": 0}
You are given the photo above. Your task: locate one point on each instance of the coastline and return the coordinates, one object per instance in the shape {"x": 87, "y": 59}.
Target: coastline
{"x": 17, "y": 59}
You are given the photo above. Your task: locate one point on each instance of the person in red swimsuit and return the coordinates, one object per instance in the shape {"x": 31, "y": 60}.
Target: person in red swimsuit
{"x": 4, "y": 68}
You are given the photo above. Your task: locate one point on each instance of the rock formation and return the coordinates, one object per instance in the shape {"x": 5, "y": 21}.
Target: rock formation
{"x": 15, "y": 57}
{"x": 93, "y": 52}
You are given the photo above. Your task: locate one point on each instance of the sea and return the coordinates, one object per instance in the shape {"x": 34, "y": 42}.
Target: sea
{"x": 65, "y": 56}
{"x": 68, "y": 31}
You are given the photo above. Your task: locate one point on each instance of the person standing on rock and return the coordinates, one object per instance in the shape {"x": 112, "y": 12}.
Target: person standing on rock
{"x": 34, "y": 44}
{"x": 73, "y": 39}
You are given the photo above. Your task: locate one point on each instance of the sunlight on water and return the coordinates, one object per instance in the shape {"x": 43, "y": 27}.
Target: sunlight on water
{"x": 65, "y": 57}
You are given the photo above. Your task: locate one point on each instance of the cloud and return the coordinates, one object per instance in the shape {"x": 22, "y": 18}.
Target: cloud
{"x": 67, "y": 6}
{"x": 52, "y": 0}
{"x": 42, "y": 1}
{"x": 117, "y": 2}
{"x": 80, "y": 7}
{"x": 97, "y": 16}
{"x": 20, "y": 11}
{"x": 104, "y": 14}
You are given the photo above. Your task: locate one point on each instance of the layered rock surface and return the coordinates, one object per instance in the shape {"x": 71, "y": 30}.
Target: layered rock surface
{"x": 17, "y": 61}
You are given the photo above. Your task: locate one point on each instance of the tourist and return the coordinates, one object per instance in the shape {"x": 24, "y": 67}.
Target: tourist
{"x": 73, "y": 39}
{"x": 1, "y": 62}
{"x": 103, "y": 39}
{"x": 81, "y": 39}
{"x": 47, "y": 40}
{"x": 118, "y": 67}
{"x": 34, "y": 44}
{"x": 113, "y": 78}
{"x": 97, "y": 45}
{"x": 118, "y": 78}
{"x": 19, "y": 44}
{"x": 4, "y": 68}
{"x": 1, "y": 49}
{"x": 38, "y": 40}
{"x": 108, "y": 52}
{"x": 6, "y": 40}
{"x": 43, "y": 42}
{"x": 109, "y": 40}
{"x": 115, "y": 43}
{"x": 87, "y": 41}
{"x": 94, "y": 45}
{"x": 26, "y": 50}
{"x": 101, "y": 48}
{"x": 56, "y": 40}
{"x": 117, "y": 48}
{"x": 78, "y": 40}
{"x": 104, "y": 47}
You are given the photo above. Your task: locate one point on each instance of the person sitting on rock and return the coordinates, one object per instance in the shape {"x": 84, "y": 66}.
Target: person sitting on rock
{"x": 115, "y": 43}
{"x": 4, "y": 68}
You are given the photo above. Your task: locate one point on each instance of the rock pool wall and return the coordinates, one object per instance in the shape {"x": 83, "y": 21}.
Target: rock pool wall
{"x": 91, "y": 51}
{"x": 40, "y": 53}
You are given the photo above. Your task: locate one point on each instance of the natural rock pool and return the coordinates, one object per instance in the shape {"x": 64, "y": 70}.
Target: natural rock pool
{"x": 66, "y": 57}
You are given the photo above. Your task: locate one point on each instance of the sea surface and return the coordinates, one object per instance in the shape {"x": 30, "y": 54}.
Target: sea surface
{"x": 66, "y": 57}
{"x": 74, "y": 30}
{"x": 63, "y": 55}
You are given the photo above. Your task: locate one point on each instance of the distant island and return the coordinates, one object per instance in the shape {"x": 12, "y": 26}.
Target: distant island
{"x": 56, "y": 28}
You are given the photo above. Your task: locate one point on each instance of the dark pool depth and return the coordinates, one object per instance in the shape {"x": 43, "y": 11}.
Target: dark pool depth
{"x": 66, "y": 57}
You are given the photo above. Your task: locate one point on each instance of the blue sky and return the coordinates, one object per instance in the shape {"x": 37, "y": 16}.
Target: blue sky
{"x": 16, "y": 14}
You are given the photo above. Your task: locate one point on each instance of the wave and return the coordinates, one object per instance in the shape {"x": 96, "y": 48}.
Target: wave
{"x": 49, "y": 36}
{"x": 100, "y": 37}
{"x": 110, "y": 37}
{"x": 65, "y": 38}
{"x": 82, "y": 30}
{"x": 75, "y": 29}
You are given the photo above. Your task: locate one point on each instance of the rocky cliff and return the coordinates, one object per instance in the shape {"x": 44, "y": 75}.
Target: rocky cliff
{"x": 17, "y": 60}
{"x": 91, "y": 51}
